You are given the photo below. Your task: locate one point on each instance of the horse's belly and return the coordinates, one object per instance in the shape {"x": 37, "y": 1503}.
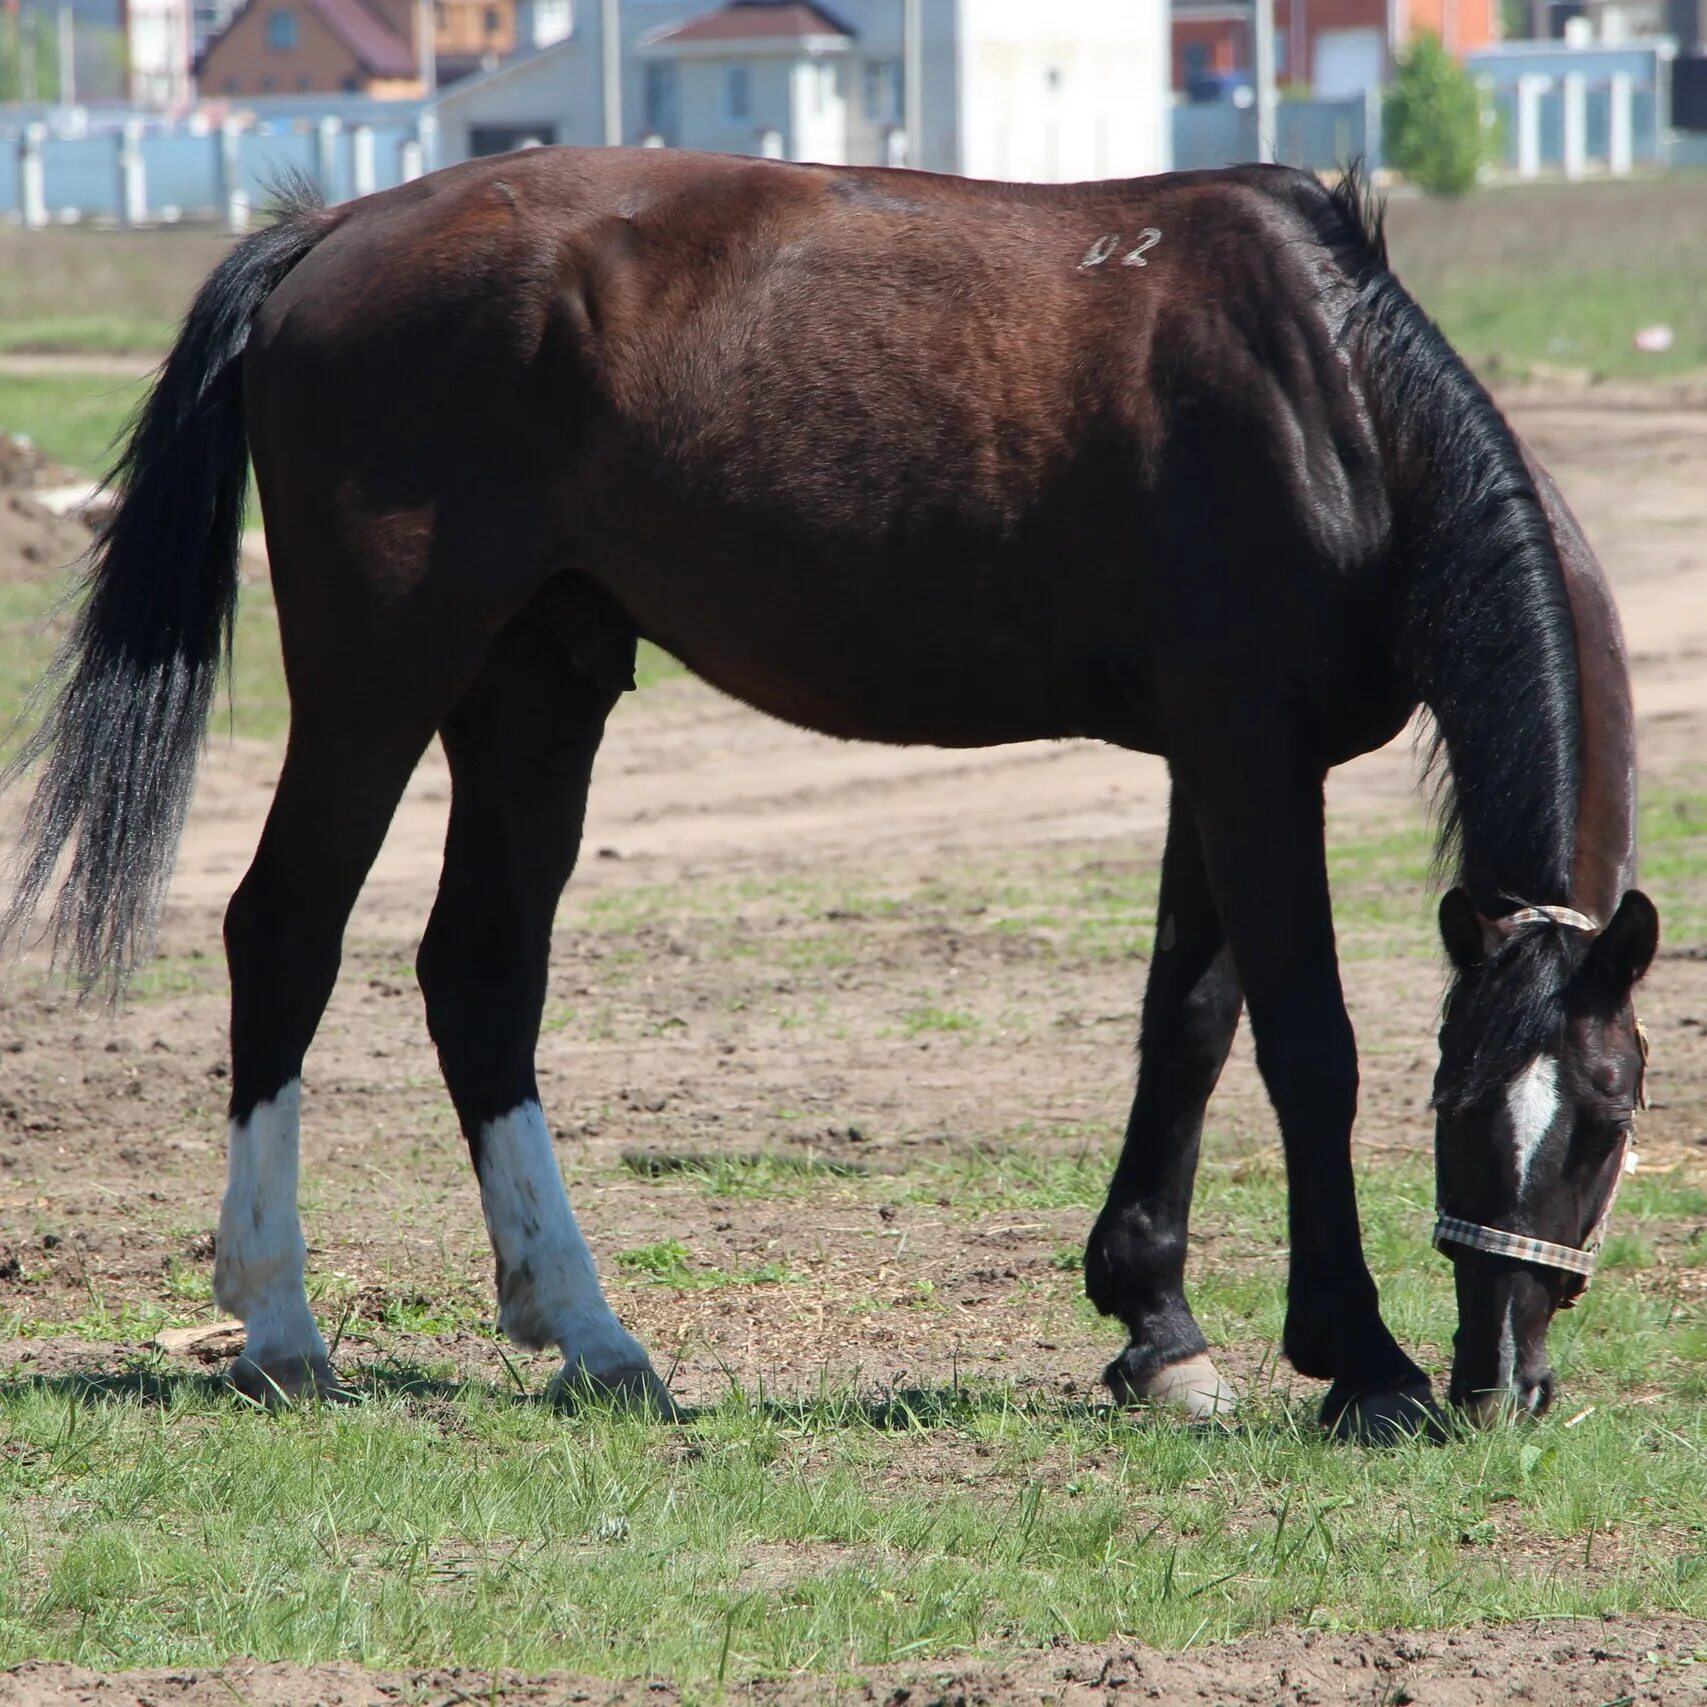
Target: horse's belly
{"x": 942, "y": 653}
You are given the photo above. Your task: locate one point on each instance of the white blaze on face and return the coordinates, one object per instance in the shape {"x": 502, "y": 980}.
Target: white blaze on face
{"x": 1532, "y": 1100}
{"x": 548, "y": 1289}
{"x": 261, "y": 1253}
{"x": 1506, "y": 1379}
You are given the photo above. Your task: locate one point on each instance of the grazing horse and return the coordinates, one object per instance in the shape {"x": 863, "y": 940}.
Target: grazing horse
{"x": 1175, "y": 463}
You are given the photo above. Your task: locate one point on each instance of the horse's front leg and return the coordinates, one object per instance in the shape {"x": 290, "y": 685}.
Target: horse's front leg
{"x": 1135, "y": 1261}
{"x": 1259, "y": 814}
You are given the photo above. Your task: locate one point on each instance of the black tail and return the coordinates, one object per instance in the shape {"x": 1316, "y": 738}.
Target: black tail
{"x": 131, "y": 687}
{"x": 1488, "y": 633}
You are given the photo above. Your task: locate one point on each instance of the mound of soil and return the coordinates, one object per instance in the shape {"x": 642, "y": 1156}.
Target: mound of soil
{"x": 34, "y": 542}
{"x": 24, "y": 468}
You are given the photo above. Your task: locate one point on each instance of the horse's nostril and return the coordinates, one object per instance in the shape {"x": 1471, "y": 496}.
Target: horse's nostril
{"x": 1539, "y": 1395}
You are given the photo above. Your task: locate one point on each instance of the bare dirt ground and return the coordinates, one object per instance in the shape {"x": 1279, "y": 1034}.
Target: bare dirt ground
{"x": 784, "y": 945}
{"x": 1583, "y": 1664}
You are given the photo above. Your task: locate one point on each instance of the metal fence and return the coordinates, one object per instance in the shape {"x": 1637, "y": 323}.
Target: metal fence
{"x": 1572, "y": 110}
{"x": 137, "y": 172}
{"x": 1321, "y": 135}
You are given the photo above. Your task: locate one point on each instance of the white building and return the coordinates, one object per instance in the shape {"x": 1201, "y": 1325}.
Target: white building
{"x": 158, "y": 52}
{"x": 1013, "y": 89}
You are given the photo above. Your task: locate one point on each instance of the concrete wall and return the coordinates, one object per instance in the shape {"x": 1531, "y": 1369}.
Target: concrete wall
{"x": 556, "y": 91}
{"x": 820, "y": 101}
{"x": 1068, "y": 90}
{"x": 705, "y": 115}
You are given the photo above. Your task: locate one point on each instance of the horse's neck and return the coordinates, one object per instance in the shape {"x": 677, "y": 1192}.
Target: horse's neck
{"x": 1604, "y": 863}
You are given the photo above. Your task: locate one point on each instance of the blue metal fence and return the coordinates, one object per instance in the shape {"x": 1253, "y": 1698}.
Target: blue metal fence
{"x": 1321, "y": 135}
{"x": 182, "y": 163}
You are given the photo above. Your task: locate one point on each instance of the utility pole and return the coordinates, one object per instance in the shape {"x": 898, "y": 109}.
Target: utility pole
{"x": 427, "y": 47}
{"x": 1262, "y": 69}
{"x": 913, "y": 80}
{"x": 67, "y": 58}
{"x": 610, "y": 30}
{"x": 26, "y": 56}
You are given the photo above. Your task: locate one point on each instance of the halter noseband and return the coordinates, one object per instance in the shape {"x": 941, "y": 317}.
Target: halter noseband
{"x": 1496, "y": 1241}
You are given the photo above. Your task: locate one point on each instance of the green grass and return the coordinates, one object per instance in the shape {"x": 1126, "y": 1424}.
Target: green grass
{"x": 124, "y": 288}
{"x": 1561, "y": 275}
{"x": 257, "y": 705}
{"x": 153, "y": 1519}
{"x": 79, "y": 334}
{"x": 73, "y": 417}
{"x": 671, "y": 1263}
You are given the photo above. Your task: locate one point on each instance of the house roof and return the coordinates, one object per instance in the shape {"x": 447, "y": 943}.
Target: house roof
{"x": 754, "y": 20}
{"x": 380, "y": 49}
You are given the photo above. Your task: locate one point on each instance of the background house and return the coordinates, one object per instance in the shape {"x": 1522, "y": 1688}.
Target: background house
{"x": 1009, "y": 88}
{"x": 367, "y": 47}
{"x": 1333, "y": 48}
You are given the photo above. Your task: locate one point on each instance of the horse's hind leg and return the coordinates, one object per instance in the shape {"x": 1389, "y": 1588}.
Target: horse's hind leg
{"x": 344, "y": 770}
{"x": 521, "y": 745}
{"x": 1135, "y": 1261}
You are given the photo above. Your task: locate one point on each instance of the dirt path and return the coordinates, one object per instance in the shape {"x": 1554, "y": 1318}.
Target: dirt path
{"x": 1619, "y": 1663}
{"x": 51, "y": 364}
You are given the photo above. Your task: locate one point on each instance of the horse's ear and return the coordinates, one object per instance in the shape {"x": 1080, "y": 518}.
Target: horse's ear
{"x": 1462, "y": 931}
{"x": 1623, "y": 951}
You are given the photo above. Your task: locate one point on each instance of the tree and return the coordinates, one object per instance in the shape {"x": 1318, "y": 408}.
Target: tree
{"x": 29, "y": 57}
{"x": 1436, "y": 133}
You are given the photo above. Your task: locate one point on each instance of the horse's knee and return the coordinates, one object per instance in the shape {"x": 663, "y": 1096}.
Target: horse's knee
{"x": 1311, "y": 1073}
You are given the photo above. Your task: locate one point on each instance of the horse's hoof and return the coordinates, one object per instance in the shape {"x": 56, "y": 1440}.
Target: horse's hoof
{"x": 279, "y": 1383}
{"x": 636, "y": 1389}
{"x": 1385, "y": 1417}
{"x": 1193, "y": 1389}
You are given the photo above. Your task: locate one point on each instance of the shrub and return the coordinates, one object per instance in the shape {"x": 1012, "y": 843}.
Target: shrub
{"x": 1436, "y": 134}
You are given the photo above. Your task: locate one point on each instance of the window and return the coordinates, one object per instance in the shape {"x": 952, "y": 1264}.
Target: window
{"x": 883, "y": 91}
{"x": 268, "y": 85}
{"x": 658, "y": 99}
{"x": 304, "y": 82}
{"x": 438, "y": 14}
{"x": 492, "y": 20}
{"x": 738, "y": 92}
{"x": 551, "y": 22}
{"x": 824, "y": 89}
{"x": 281, "y": 31}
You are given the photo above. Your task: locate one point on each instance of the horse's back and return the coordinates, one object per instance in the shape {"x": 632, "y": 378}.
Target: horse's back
{"x": 887, "y": 453}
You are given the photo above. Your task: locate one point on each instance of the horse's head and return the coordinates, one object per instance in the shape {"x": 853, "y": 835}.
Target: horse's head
{"x": 1541, "y": 1070}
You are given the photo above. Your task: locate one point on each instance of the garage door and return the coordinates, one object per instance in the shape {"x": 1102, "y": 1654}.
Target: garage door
{"x": 1348, "y": 62}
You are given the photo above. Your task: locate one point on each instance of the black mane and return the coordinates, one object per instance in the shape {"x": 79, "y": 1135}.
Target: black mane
{"x": 1488, "y": 633}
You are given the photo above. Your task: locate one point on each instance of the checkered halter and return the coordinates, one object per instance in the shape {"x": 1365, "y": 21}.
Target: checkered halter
{"x": 1496, "y": 1241}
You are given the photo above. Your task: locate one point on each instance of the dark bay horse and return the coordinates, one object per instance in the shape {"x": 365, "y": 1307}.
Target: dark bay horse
{"x": 1174, "y": 462}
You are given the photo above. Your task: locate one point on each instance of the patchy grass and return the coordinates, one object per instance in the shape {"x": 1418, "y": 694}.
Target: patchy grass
{"x": 455, "y": 1522}
{"x": 1563, "y": 275}
{"x": 256, "y": 707}
{"x": 99, "y": 290}
{"x": 87, "y": 334}
{"x": 671, "y": 1263}
{"x": 75, "y": 418}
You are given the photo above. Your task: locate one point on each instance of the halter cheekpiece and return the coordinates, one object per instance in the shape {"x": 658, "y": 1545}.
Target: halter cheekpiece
{"x": 1496, "y": 1241}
